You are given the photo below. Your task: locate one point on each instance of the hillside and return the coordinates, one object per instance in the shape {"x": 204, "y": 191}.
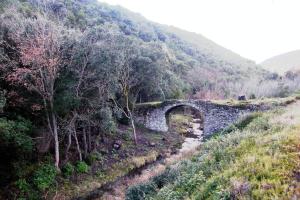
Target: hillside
{"x": 197, "y": 63}
{"x": 283, "y": 63}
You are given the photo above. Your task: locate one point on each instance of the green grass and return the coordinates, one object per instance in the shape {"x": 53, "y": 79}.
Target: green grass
{"x": 263, "y": 101}
{"x": 256, "y": 161}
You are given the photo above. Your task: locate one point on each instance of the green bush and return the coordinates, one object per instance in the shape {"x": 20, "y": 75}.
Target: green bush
{"x": 93, "y": 157}
{"x": 16, "y": 134}
{"x": 68, "y": 170}
{"x": 168, "y": 176}
{"x": 259, "y": 124}
{"x": 140, "y": 191}
{"x": 82, "y": 167}
{"x": 168, "y": 193}
{"x": 44, "y": 177}
{"x": 26, "y": 191}
{"x": 23, "y": 186}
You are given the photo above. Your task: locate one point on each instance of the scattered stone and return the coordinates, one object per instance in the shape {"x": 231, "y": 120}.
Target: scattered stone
{"x": 197, "y": 120}
{"x": 242, "y": 98}
{"x": 117, "y": 145}
{"x": 152, "y": 144}
{"x": 190, "y": 131}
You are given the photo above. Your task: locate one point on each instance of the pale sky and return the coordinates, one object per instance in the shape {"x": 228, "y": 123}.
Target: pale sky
{"x": 255, "y": 29}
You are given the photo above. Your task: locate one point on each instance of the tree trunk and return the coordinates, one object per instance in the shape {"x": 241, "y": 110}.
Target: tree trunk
{"x": 133, "y": 126}
{"x": 56, "y": 141}
{"x": 89, "y": 139}
{"x": 130, "y": 116}
{"x": 68, "y": 146}
{"x": 85, "y": 143}
{"x": 77, "y": 143}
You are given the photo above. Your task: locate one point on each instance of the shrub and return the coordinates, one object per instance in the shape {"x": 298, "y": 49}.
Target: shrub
{"x": 168, "y": 193}
{"x": 82, "y": 167}
{"x": 168, "y": 176}
{"x": 140, "y": 191}
{"x": 44, "y": 177}
{"x": 259, "y": 124}
{"x": 68, "y": 170}
{"x": 93, "y": 157}
{"x": 26, "y": 191}
{"x": 15, "y": 134}
{"x": 127, "y": 136}
{"x": 23, "y": 186}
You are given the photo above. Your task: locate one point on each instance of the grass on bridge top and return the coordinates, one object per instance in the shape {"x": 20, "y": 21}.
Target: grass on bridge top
{"x": 262, "y": 101}
{"x": 234, "y": 102}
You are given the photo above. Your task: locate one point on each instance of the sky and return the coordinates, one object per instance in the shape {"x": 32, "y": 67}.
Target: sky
{"x": 255, "y": 29}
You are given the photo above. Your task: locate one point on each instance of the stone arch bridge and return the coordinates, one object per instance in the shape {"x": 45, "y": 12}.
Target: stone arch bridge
{"x": 216, "y": 116}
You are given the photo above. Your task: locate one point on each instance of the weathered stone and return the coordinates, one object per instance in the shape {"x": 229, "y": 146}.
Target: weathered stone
{"x": 190, "y": 131}
{"x": 242, "y": 98}
{"x": 215, "y": 116}
{"x": 152, "y": 144}
{"x": 117, "y": 145}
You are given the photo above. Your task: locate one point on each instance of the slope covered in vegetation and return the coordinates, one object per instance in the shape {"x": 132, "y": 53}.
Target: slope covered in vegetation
{"x": 282, "y": 63}
{"x": 193, "y": 63}
{"x": 255, "y": 159}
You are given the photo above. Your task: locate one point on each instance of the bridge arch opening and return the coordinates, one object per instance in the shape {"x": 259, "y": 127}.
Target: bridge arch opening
{"x": 184, "y": 119}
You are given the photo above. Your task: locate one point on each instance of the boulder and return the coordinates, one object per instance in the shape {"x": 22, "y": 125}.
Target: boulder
{"x": 152, "y": 144}
{"x": 242, "y": 97}
{"x": 117, "y": 145}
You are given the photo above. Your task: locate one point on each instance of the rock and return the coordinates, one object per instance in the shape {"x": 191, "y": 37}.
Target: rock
{"x": 186, "y": 123}
{"x": 189, "y": 131}
{"x": 242, "y": 98}
{"x": 117, "y": 145}
{"x": 197, "y": 120}
{"x": 152, "y": 144}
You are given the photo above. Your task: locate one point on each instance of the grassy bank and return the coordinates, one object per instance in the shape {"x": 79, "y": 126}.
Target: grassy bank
{"x": 256, "y": 160}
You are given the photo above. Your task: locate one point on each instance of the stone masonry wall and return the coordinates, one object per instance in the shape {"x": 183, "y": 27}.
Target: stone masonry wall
{"x": 216, "y": 117}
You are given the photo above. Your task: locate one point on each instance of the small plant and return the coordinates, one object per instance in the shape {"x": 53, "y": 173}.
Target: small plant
{"x": 44, "y": 177}
{"x": 68, "y": 170}
{"x": 82, "y": 167}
